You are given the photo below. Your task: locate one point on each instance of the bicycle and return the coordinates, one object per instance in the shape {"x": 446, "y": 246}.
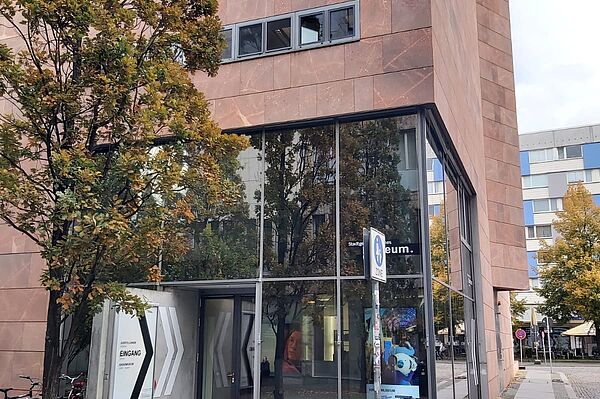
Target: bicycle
{"x": 29, "y": 394}
{"x": 77, "y": 385}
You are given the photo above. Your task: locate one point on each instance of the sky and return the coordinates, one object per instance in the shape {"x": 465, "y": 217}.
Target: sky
{"x": 556, "y": 53}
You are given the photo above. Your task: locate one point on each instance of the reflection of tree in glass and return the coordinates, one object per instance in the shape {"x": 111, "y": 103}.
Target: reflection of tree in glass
{"x": 439, "y": 265}
{"x": 438, "y": 239}
{"x": 299, "y": 226}
{"x": 299, "y": 203}
{"x": 377, "y": 158}
{"x": 250, "y": 39}
{"x": 220, "y": 236}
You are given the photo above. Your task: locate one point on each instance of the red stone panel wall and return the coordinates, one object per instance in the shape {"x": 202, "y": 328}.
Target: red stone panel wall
{"x": 22, "y": 309}
{"x": 474, "y": 93}
{"x": 505, "y": 201}
{"x": 503, "y": 175}
{"x": 391, "y": 66}
{"x": 23, "y": 302}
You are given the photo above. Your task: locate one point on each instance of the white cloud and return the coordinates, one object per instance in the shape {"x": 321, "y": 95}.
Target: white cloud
{"x": 556, "y": 50}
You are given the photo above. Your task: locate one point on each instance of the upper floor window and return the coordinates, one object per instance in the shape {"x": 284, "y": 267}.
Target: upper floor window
{"x": 250, "y": 39}
{"x": 541, "y": 231}
{"x": 547, "y": 205}
{"x": 575, "y": 176}
{"x": 435, "y": 187}
{"x": 533, "y": 181}
{"x": 552, "y": 154}
{"x": 308, "y": 28}
{"x": 570, "y": 151}
{"x": 279, "y": 34}
{"x": 434, "y": 210}
{"x": 429, "y": 163}
{"x": 341, "y": 23}
{"x": 227, "y": 51}
{"x": 547, "y": 154}
{"x": 312, "y": 28}
{"x": 592, "y": 175}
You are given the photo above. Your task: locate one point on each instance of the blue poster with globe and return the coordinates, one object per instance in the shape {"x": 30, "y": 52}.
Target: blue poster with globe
{"x": 399, "y": 363}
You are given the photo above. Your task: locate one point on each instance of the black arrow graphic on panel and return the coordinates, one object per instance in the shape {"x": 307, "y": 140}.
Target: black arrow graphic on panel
{"x": 245, "y": 349}
{"x": 146, "y": 363}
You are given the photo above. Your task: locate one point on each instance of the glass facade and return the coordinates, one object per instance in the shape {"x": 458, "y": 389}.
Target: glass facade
{"x": 454, "y": 312}
{"x": 294, "y": 236}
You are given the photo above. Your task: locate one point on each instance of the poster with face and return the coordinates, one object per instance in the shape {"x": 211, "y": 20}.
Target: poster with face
{"x": 292, "y": 355}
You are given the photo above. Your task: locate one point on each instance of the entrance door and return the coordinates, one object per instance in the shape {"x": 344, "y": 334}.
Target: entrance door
{"x": 228, "y": 348}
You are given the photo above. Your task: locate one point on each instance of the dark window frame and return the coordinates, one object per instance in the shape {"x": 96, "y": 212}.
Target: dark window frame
{"x": 266, "y": 34}
{"x": 351, "y": 22}
{"x": 239, "y": 41}
{"x": 232, "y": 44}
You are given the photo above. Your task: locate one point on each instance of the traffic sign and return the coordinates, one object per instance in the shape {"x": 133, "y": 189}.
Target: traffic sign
{"x": 377, "y": 255}
{"x": 520, "y": 334}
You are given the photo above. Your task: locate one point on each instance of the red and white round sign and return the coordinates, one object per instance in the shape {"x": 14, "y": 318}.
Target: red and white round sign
{"x": 520, "y": 334}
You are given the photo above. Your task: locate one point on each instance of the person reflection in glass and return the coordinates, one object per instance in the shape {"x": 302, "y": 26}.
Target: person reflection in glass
{"x": 292, "y": 355}
{"x": 388, "y": 375}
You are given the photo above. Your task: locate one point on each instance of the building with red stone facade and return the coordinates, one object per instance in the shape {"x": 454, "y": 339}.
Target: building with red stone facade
{"x": 351, "y": 107}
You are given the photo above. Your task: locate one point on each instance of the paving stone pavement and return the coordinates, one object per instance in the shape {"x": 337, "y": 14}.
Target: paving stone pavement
{"x": 585, "y": 379}
{"x": 568, "y": 381}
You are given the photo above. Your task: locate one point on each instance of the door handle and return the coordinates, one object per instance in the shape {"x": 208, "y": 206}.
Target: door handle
{"x": 231, "y": 376}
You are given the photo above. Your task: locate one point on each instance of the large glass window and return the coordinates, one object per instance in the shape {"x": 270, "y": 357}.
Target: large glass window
{"x": 298, "y": 340}
{"x": 403, "y": 340}
{"x": 286, "y": 182}
{"x": 299, "y": 202}
{"x": 222, "y": 239}
{"x": 378, "y": 188}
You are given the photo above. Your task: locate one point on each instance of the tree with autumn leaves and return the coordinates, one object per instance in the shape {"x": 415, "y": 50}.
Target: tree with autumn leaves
{"x": 571, "y": 265}
{"x": 107, "y": 150}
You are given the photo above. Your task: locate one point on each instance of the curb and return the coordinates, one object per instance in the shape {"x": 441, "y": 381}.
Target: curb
{"x": 568, "y": 387}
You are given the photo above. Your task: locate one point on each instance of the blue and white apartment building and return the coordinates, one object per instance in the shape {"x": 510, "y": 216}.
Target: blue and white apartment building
{"x": 551, "y": 161}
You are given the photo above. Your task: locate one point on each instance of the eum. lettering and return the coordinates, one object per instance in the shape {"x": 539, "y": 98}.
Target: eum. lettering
{"x": 394, "y": 247}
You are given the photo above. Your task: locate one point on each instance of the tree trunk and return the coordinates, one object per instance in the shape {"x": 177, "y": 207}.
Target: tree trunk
{"x": 52, "y": 356}
{"x": 279, "y": 352}
{"x": 597, "y": 326}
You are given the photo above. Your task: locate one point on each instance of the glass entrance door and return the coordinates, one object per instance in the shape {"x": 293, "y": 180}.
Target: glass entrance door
{"x": 228, "y": 348}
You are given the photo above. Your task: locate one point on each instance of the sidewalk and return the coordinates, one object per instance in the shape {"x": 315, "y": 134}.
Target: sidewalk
{"x": 536, "y": 384}
{"x": 539, "y": 383}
